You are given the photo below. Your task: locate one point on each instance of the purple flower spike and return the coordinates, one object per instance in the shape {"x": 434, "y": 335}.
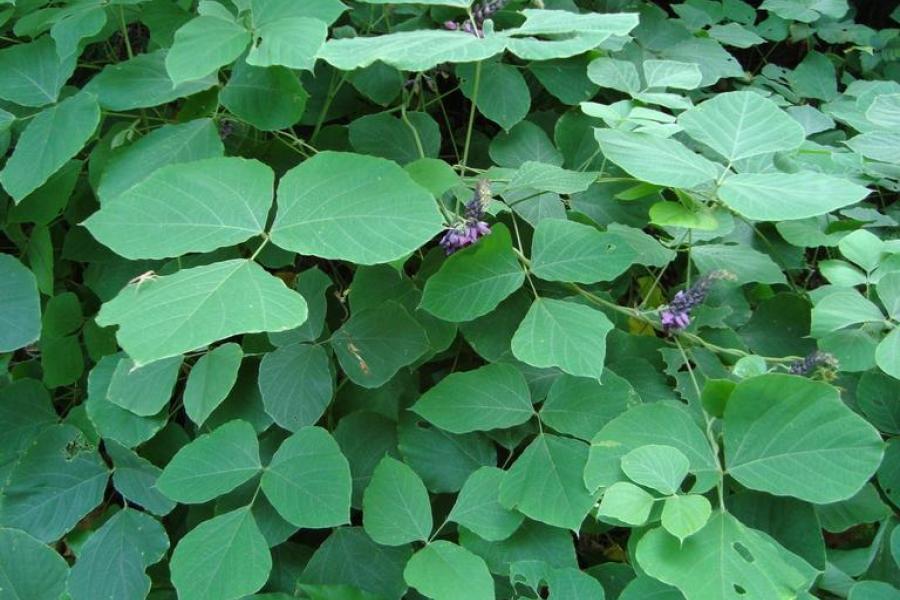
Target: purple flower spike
{"x": 471, "y": 226}
{"x": 811, "y": 362}
{"x": 677, "y": 315}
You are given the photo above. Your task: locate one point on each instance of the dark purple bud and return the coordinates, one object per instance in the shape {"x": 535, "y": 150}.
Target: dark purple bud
{"x": 811, "y": 362}
{"x": 677, "y": 315}
{"x": 451, "y": 25}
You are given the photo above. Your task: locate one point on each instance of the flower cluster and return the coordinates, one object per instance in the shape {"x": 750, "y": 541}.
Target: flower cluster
{"x": 472, "y": 227}
{"x": 812, "y": 361}
{"x": 480, "y": 14}
{"x": 677, "y": 315}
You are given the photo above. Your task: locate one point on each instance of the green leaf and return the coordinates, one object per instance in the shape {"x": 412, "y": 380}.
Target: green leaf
{"x": 557, "y": 463}
{"x": 444, "y": 571}
{"x": 392, "y": 138}
{"x": 533, "y": 541}
{"x": 556, "y": 333}
{"x": 672, "y": 74}
{"x": 883, "y": 111}
{"x": 659, "y": 423}
{"x": 661, "y": 161}
{"x": 887, "y": 354}
{"x": 75, "y": 23}
{"x": 169, "y": 144}
{"x": 146, "y": 390}
{"x": 375, "y": 343}
{"x": 20, "y": 305}
{"x": 503, "y": 95}
{"x": 837, "y": 453}
{"x": 187, "y": 207}
{"x": 210, "y": 381}
{"x": 661, "y": 468}
{"x": 889, "y": 293}
{"x": 296, "y": 385}
{"x": 478, "y": 507}
{"x": 742, "y": 124}
{"x": 362, "y": 222}
{"x": 25, "y": 411}
{"x": 135, "y": 478}
{"x": 473, "y": 281}
{"x": 51, "y": 138}
{"x": 523, "y": 143}
{"x": 171, "y": 315}
{"x": 225, "y": 558}
{"x": 291, "y": 42}
{"x": 683, "y": 516}
{"x": 396, "y": 508}
{"x": 57, "y": 481}
{"x": 877, "y": 399}
{"x": 566, "y": 79}
{"x": 29, "y": 568}
{"x": 543, "y": 177}
{"x": 877, "y": 145}
{"x": 211, "y": 465}
{"x": 454, "y": 3}
{"x": 872, "y": 590}
{"x": 788, "y": 196}
{"x": 112, "y": 562}
{"x": 376, "y": 569}
{"x": 842, "y": 308}
{"x": 581, "y": 406}
{"x": 308, "y": 480}
{"x": 723, "y": 560}
{"x": 202, "y": 46}
{"x": 494, "y": 396}
{"x": 626, "y": 503}
{"x": 32, "y": 74}
{"x": 745, "y": 263}
{"x": 267, "y": 98}
{"x": 142, "y": 82}
{"x": 569, "y": 251}
{"x": 613, "y": 73}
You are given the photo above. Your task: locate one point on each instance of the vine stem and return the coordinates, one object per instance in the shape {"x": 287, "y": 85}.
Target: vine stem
{"x": 475, "y": 85}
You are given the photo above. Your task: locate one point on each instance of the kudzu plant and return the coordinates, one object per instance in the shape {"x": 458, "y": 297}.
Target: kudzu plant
{"x": 449, "y": 299}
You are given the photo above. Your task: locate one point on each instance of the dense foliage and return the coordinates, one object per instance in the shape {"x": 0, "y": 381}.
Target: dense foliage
{"x": 374, "y": 299}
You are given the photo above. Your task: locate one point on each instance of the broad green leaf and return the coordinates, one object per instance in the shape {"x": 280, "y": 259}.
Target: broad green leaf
{"x": 211, "y": 465}
{"x": 863, "y": 248}
{"x": 135, "y": 478}
{"x": 877, "y": 145}
{"x": 560, "y": 499}
{"x": 568, "y": 251}
{"x": 566, "y": 79}
{"x": 616, "y": 74}
{"x": 365, "y": 437}
{"x": 20, "y": 305}
{"x": 887, "y": 354}
{"x": 112, "y": 562}
{"x": 746, "y": 264}
{"x": 296, "y": 385}
{"x": 308, "y": 480}
{"x": 661, "y": 161}
{"x": 723, "y": 560}
{"x": 188, "y": 207}
{"x": 478, "y": 507}
{"x": 544, "y": 177}
{"x": 444, "y": 571}
{"x": 210, "y": 381}
{"x": 290, "y": 42}
{"x": 396, "y": 508}
{"x": 626, "y": 503}
{"x": 363, "y": 222}
{"x": 32, "y": 74}
{"x": 75, "y": 23}
{"x": 661, "y": 468}
{"x": 51, "y": 138}
{"x": 836, "y": 454}
{"x": 112, "y": 421}
{"x": 454, "y": 3}
{"x": 377, "y": 342}
{"x": 842, "y": 308}
{"x": 143, "y": 82}
{"x": 683, "y": 516}
{"x": 494, "y": 396}
{"x": 390, "y": 137}
{"x": 473, "y": 281}
{"x": 581, "y": 406}
{"x": 788, "y": 196}
{"x": 658, "y": 423}
{"x": 877, "y": 397}
{"x": 29, "y": 568}
{"x": 532, "y": 541}
{"x": 146, "y": 390}
{"x": 270, "y": 11}
{"x": 202, "y": 46}
{"x": 742, "y": 124}
{"x": 672, "y": 74}
{"x": 171, "y": 315}
{"x": 557, "y": 333}
{"x": 376, "y": 569}
{"x": 25, "y": 411}
{"x": 883, "y": 111}
{"x": 57, "y": 481}
{"x": 872, "y": 590}
{"x": 523, "y": 143}
{"x": 503, "y": 95}
{"x": 267, "y": 98}
{"x": 132, "y": 164}
{"x": 225, "y": 558}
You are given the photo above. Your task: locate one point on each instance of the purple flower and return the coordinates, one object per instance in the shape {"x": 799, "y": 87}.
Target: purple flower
{"x": 480, "y": 13}
{"x": 677, "y": 315}
{"x": 807, "y": 365}
{"x": 472, "y": 226}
